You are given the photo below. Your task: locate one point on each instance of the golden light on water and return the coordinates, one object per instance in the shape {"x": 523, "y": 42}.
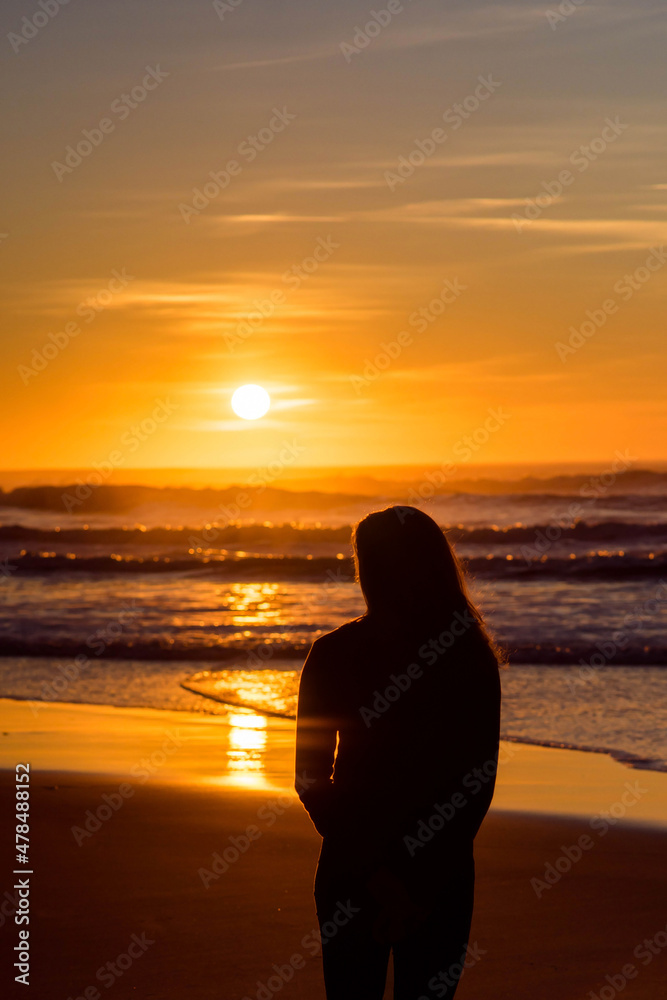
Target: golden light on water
{"x": 251, "y": 402}
{"x": 247, "y": 743}
{"x": 255, "y": 604}
{"x": 244, "y": 720}
{"x": 263, "y": 690}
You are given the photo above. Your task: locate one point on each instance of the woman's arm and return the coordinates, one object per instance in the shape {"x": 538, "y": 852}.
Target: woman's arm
{"x": 316, "y": 730}
{"x": 479, "y": 781}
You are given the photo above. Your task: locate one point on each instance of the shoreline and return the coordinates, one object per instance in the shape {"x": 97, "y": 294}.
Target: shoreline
{"x": 554, "y": 708}
{"x": 243, "y": 750}
{"x": 182, "y": 831}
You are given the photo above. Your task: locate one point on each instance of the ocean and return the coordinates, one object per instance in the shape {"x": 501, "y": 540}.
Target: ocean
{"x": 204, "y": 597}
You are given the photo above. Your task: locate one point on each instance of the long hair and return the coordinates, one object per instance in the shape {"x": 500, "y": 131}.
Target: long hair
{"x": 407, "y": 569}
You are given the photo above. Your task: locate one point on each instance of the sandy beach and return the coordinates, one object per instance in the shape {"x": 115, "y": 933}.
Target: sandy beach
{"x": 169, "y": 871}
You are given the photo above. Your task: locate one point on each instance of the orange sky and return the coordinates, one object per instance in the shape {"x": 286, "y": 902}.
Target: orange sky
{"x": 171, "y": 93}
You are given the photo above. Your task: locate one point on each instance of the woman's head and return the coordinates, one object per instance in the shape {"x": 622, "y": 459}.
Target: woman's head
{"x": 405, "y": 566}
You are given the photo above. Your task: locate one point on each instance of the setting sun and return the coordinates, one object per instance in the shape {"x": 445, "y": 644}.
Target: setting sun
{"x": 251, "y": 402}
{"x": 409, "y": 584}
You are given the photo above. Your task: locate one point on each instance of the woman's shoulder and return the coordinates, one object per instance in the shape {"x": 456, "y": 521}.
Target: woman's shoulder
{"x": 349, "y": 632}
{"x": 332, "y": 651}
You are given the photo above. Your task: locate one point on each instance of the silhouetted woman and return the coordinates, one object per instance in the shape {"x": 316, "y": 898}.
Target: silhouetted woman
{"x": 397, "y": 745}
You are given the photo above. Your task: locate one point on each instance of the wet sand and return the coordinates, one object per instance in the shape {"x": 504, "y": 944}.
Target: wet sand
{"x": 135, "y": 904}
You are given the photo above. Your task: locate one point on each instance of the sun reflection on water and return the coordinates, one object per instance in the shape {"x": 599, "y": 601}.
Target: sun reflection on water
{"x": 247, "y": 742}
{"x": 254, "y": 603}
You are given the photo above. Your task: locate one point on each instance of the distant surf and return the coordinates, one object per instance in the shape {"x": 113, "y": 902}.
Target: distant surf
{"x": 204, "y": 597}
{"x": 601, "y": 566}
{"x": 91, "y": 493}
